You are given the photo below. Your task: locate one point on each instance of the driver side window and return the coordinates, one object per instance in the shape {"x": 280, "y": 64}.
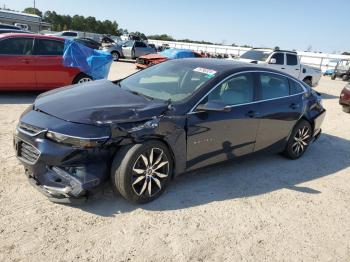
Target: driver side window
{"x": 236, "y": 90}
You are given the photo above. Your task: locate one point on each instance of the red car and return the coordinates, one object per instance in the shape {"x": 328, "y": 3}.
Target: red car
{"x": 345, "y": 99}
{"x": 34, "y": 62}
{"x": 168, "y": 54}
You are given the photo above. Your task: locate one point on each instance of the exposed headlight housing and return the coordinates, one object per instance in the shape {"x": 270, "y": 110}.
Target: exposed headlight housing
{"x": 151, "y": 124}
{"x": 79, "y": 142}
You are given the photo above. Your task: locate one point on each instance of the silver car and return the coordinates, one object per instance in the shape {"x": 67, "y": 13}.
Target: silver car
{"x": 130, "y": 49}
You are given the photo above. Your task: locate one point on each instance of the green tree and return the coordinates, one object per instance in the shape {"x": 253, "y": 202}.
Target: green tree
{"x": 33, "y": 11}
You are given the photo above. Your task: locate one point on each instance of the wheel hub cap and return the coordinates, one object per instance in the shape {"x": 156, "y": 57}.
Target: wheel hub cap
{"x": 301, "y": 140}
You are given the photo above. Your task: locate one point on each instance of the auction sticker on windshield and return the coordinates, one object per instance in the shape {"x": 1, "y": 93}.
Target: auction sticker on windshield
{"x": 206, "y": 71}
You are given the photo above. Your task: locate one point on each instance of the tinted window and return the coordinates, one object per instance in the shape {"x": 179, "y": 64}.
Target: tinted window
{"x": 140, "y": 44}
{"x": 273, "y": 86}
{"x": 256, "y": 55}
{"x": 237, "y": 90}
{"x": 279, "y": 58}
{"x": 295, "y": 88}
{"x": 48, "y": 47}
{"x": 292, "y": 59}
{"x": 69, "y": 34}
{"x": 16, "y": 46}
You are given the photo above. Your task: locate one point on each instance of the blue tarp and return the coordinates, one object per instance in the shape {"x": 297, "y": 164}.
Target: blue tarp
{"x": 177, "y": 53}
{"x": 94, "y": 63}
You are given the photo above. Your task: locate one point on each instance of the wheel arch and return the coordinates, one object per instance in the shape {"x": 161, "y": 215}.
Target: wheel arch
{"x": 79, "y": 75}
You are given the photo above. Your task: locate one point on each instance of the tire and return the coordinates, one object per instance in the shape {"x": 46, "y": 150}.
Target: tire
{"x": 346, "y": 109}
{"x": 333, "y": 77}
{"x": 299, "y": 140}
{"x": 345, "y": 77}
{"x": 82, "y": 78}
{"x": 116, "y": 56}
{"x": 133, "y": 54}
{"x": 136, "y": 181}
{"x": 308, "y": 81}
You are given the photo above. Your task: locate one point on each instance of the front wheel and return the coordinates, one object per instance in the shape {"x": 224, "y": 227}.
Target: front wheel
{"x": 115, "y": 56}
{"x": 333, "y": 77}
{"x": 345, "y": 77}
{"x": 141, "y": 172}
{"x": 299, "y": 140}
{"x": 308, "y": 82}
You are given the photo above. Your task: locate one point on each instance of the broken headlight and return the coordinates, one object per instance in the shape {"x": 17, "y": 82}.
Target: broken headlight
{"x": 79, "y": 142}
{"x": 151, "y": 124}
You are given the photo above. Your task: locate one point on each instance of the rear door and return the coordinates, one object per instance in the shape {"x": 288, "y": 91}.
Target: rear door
{"x": 293, "y": 66}
{"x": 142, "y": 49}
{"x": 50, "y": 71}
{"x": 280, "y": 106}
{"x": 17, "y": 65}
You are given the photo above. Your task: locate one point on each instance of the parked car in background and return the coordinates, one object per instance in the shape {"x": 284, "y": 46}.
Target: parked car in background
{"x": 34, "y": 62}
{"x": 168, "y": 119}
{"x": 129, "y": 49}
{"x": 345, "y": 99}
{"x": 284, "y": 61}
{"x": 169, "y": 54}
{"x": 7, "y": 26}
{"x": 7, "y": 31}
{"x": 88, "y": 42}
{"x": 342, "y": 70}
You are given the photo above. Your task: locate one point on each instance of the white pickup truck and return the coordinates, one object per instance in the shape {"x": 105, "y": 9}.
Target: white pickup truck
{"x": 285, "y": 61}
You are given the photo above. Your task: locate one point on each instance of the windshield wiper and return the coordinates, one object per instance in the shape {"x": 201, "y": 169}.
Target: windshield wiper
{"x": 140, "y": 94}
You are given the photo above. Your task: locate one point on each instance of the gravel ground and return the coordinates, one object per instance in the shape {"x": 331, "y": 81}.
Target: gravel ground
{"x": 265, "y": 208}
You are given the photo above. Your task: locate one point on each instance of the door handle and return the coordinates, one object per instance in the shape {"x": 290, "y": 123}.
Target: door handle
{"x": 282, "y": 68}
{"x": 294, "y": 106}
{"x": 252, "y": 114}
{"x": 297, "y": 69}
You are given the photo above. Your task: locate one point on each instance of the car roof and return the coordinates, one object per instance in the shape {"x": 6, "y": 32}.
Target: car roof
{"x": 31, "y": 35}
{"x": 224, "y": 66}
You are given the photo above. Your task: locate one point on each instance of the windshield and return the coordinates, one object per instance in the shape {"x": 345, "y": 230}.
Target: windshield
{"x": 256, "y": 55}
{"x": 168, "y": 81}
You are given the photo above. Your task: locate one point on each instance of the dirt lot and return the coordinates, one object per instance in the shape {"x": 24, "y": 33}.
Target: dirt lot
{"x": 265, "y": 208}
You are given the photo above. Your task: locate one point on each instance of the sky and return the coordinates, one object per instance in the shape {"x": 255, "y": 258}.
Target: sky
{"x": 289, "y": 24}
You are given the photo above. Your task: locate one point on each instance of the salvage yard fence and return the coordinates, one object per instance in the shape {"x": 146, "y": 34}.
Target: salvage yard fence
{"x": 321, "y": 60}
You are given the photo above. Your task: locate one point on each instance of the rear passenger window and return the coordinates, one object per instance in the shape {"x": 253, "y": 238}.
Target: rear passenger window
{"x": 295, "y": 88}
{"x": 16, "y": 46}
{"x": 273, "y": 86}
{"x": 292, "y": 60}
{"x": 279, "y": 58}
{"x": 140, "y": 44}
{"x": 48, "y": 47}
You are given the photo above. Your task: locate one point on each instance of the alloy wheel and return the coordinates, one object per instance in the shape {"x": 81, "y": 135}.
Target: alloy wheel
{"x": 84, "y": 80}
{"x": 301, "y": 140}
{"x": 149, "y": 172}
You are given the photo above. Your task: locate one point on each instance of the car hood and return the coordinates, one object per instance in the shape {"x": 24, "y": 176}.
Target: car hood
{"x": 98, "y": 102}
{"x": 153, "y": 57}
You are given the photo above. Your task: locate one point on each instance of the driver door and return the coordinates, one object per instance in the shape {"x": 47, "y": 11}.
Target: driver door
{"x": 215, "y": 136}
{"x": 127, "y": 48}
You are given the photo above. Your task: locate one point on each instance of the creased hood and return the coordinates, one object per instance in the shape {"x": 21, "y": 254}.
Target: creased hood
{"x": 97, "y": 102}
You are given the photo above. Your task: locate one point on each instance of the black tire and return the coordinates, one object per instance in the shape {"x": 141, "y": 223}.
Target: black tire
{"x": 116, "y": 56}
{"x": 308, "y": 81}
{"x": 128, "y": 164}
{"x": 299, "y": 140}
{"x": 346, "y": 109}
{"x": 333, "y": 77}
{"x": 81, "y": 78}
{"x": 345, "y": 77}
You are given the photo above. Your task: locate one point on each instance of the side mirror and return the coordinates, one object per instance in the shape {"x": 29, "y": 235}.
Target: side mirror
{"x": 123, "y": 45}
{"x": 273, "y": 61}
{"x": 213, "y": 107}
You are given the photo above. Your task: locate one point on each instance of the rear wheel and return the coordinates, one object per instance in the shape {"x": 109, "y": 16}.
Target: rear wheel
{"x": 333, "y": 77}
{"x": 308, "y": 81}
{"x": 346, "y": 109}
{"x": 115, "y": 56}
{"x": 141, "y": 172}
{"x": 82, "y": 78}
{"x": 299, "y": 140}
{"x": 345, "y": 77}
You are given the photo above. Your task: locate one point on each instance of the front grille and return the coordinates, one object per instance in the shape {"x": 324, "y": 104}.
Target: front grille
{"x": 27, "y": 152}
{"x": 29, "y": 129}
